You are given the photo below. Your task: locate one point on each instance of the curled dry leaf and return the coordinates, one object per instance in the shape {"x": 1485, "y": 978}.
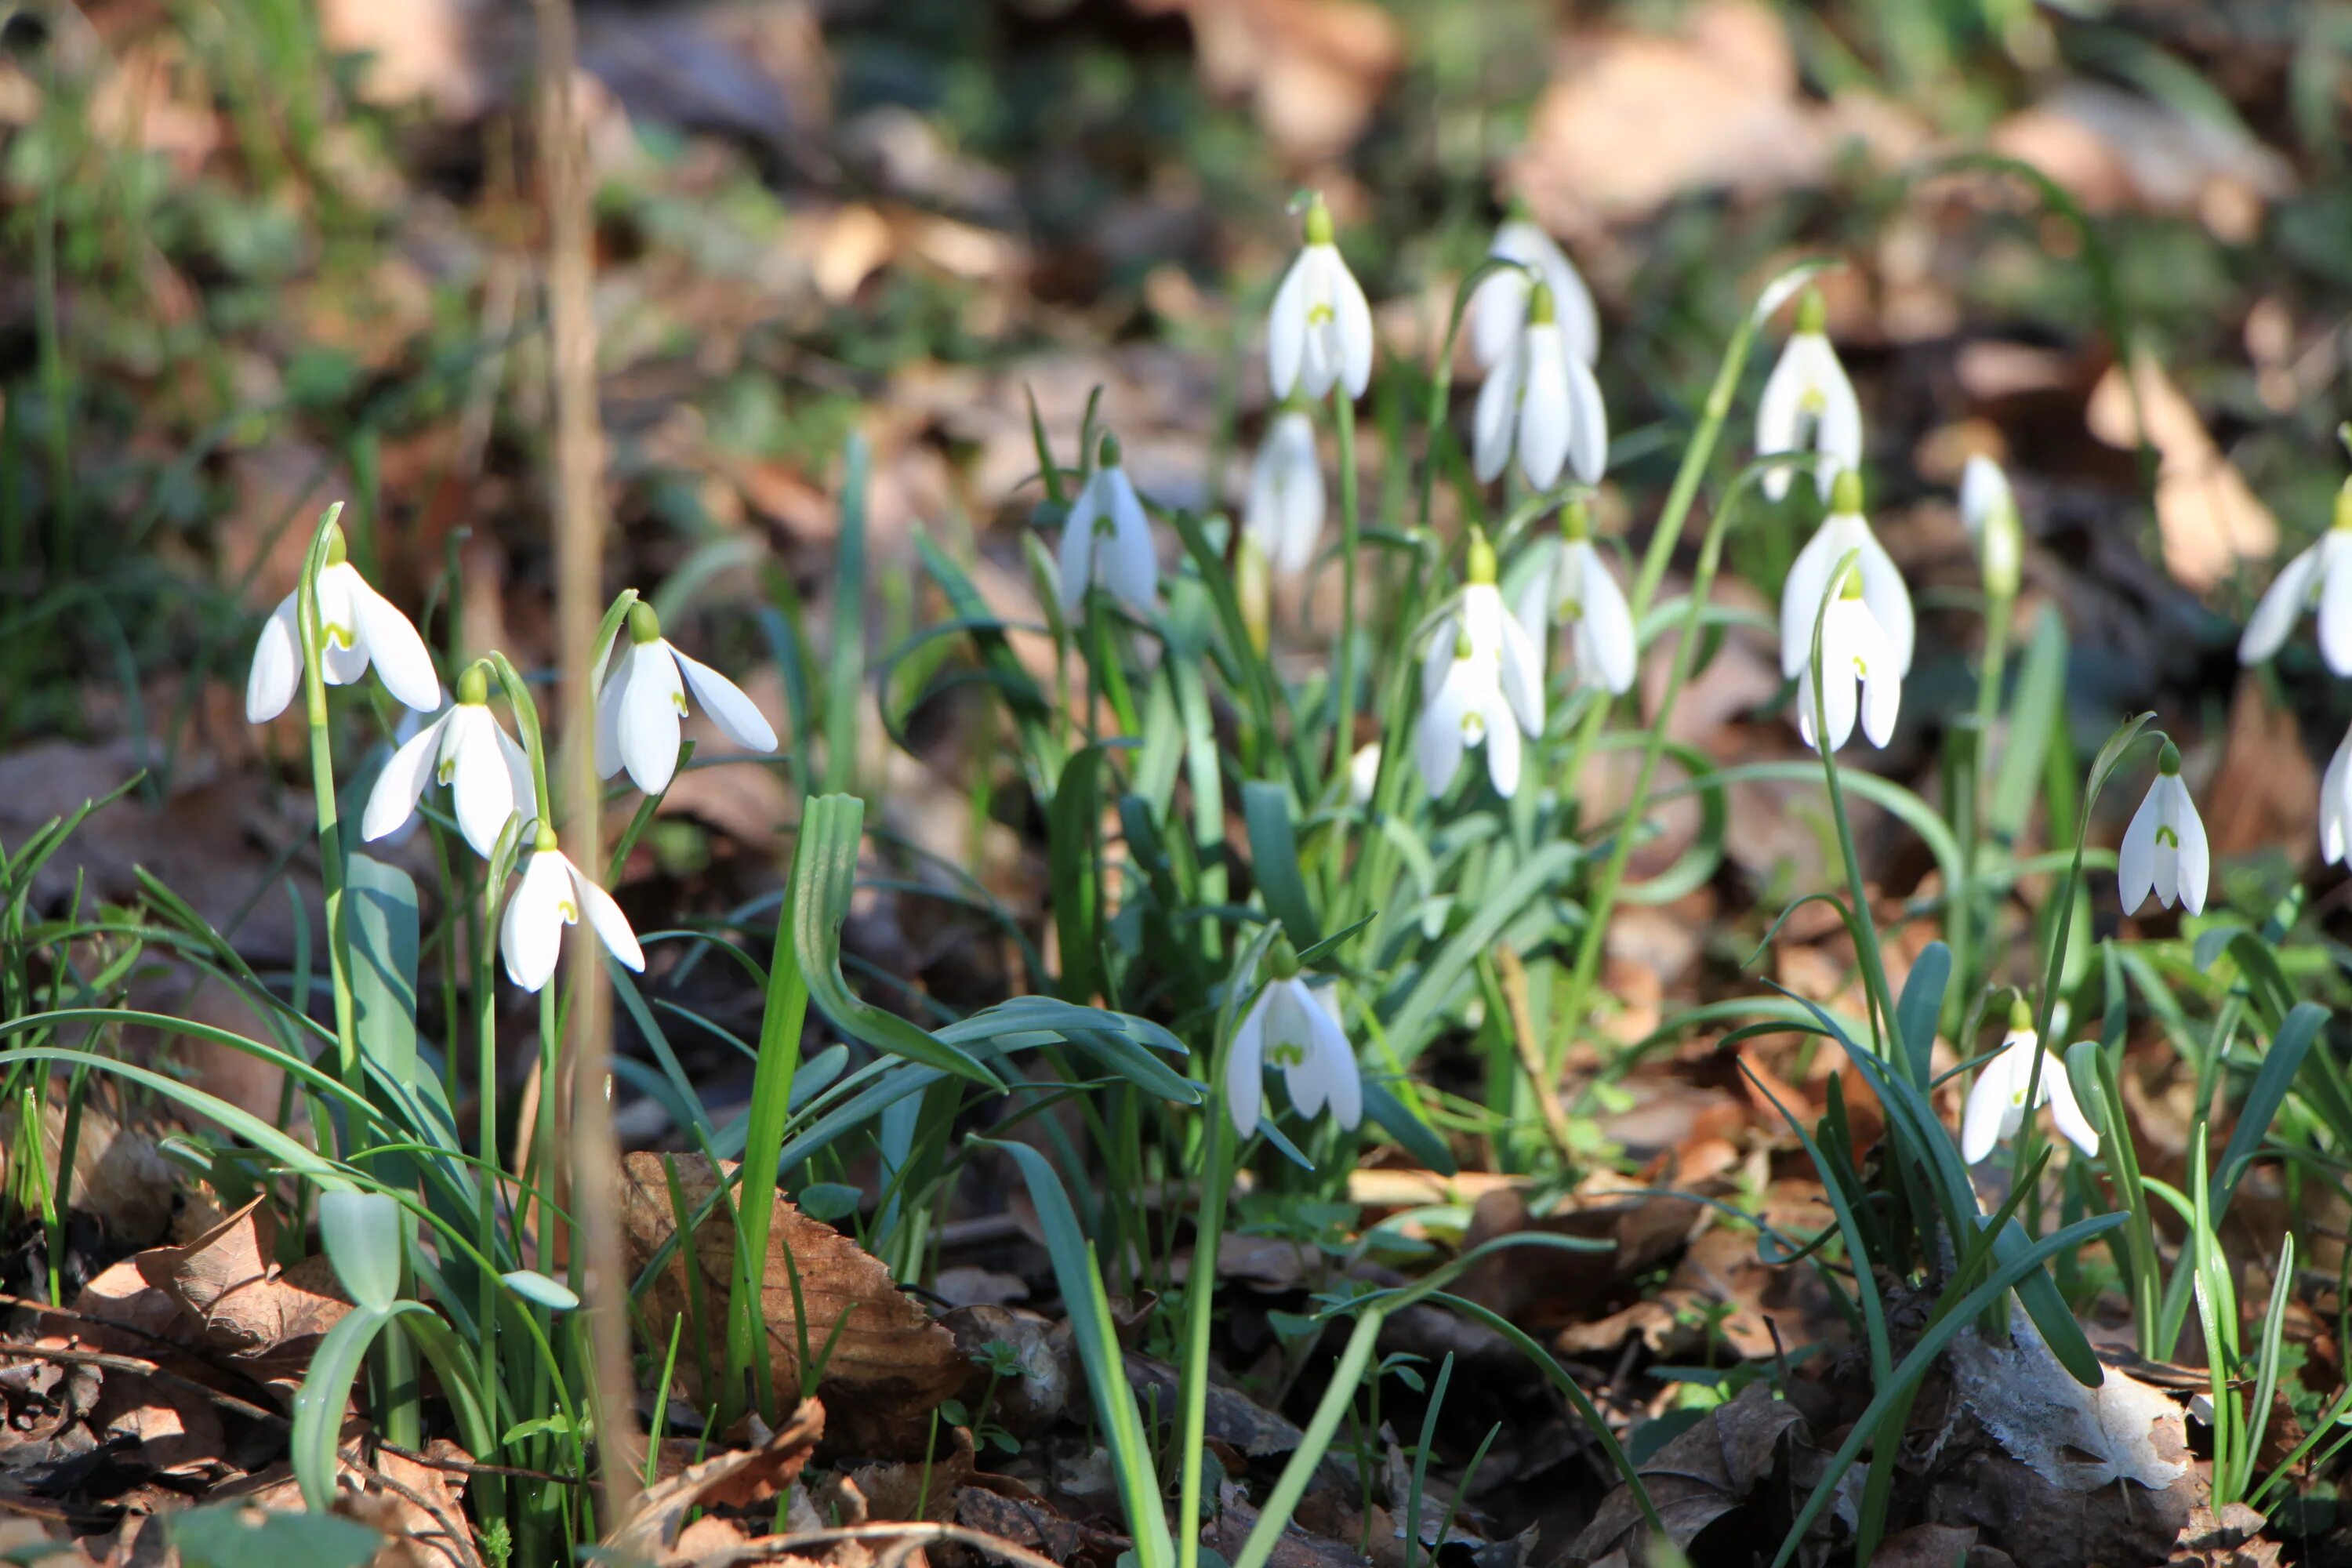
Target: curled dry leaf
{"x": 228, "y": 1281}
{"x": 891, "y": 1364}
{"x": 1700, "y": 1477}
{"x": 739, "y": 1477}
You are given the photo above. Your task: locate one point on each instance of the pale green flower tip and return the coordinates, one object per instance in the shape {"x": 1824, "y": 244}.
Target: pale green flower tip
{"x": 1845, "y": 492}
{"x": 337, "y": 551}
{"x": 474, "y": 686}
{"x": 1850, "y": 583}
{"x": 2020, "y": 1013}
{"x": 1107, "y": 452}
{"x": 1575, "y": 520}
{"x": 2167, "y": 760}
{"x": 1282, "y": 959}
{"x": 2343, "y": 507}
{"x": 1483, "y": 568}
{"x": 1463, "y": 647}
{"x": 545, "y": 841}
{"x": 1812, "y": 316}
{"x": 645, "y": 626}
{"x": 1517, "y": 209}
{"x": 1541, "y": 309}
{"x": 1318, "y": 222}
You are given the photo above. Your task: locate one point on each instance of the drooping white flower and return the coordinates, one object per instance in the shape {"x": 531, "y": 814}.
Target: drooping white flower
{"x": 358, "y": 627}
{"x": 1988, "y": 512}
{"x": 1808, "y": 404}
{"x": 1498, "y": 307}
{"x": 2336, "y": 805}
{"x": 1319, "y": 332}
{"x": 552, "y": 894}
{"x": 1481, "y": 684}
{"x": 1855, "y": 653}
{"x": 1996, "y": 1104}
{"x": 1285, "y": 510}
{"x": 1106, "y": 539}
{"x": 1292, "y": 1026}
{"x": 2319, "y": 578}
{"x": 1542, "y": 403}
{"x": 2164, "y": 851}
{"x": 1842, "y": 533}
{"x": 488, "y": 775}
{"x": 1364, "y": 774}
{"x": 1576, "y": 589}
{"x": 644, "y": 697}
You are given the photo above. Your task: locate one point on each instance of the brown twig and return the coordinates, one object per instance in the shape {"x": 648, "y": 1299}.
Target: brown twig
{"x": 143, "y": 1367}
{"x": 1513, "y": 976}
{"x": 578, "y": 526}
{"x": 459, "y": 1545}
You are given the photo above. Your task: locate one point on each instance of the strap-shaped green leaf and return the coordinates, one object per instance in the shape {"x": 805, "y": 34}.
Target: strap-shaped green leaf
{"x": 2281, "y": 1065}
{"x": 1273, "y": 860}
{"x": 1922, "y": 1004}
{"x": 825, "y": 873}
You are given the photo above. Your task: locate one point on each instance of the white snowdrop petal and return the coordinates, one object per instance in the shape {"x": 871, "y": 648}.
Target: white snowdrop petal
{"x": 2281, "y": 604}
{"x": 2135, "y": 857}
{"x": 397, "y": 789}
{"x": 650, "y": 708}
{"x": 1883, "y": 589}
{"x": 402, "y": 661}
{"x": 530, "y": 936}
{"x": 1437, "y": 740}
{"x": 1547, "y": 418}
{"x": 1076, "y": 558}
{"x": 1351, "y": 327}
{"x": 1502, "y": 746}
{"x": 276, "y": 666}
{"x": 481, "y": 788}
{"x": 608, "y": 717}
{"x": 1986, "y": 1106}
{"x": 2065, "y": 1109}
{"x": 605, "y": 916}
{"x": 1800, "y": 595}
{"x": 1286, "y": 342}
{"x": 2334, "y": 609}
{"x": 1589, "y": 432}
{"x": 519, "y": 777}
{"x": 1521, "y": 671}
{"x": 1245, "y": 1069}
{"x": 1607, "y": 626}
{"x": 1497, "y": 310}
{"x": 2195, "y": 855}
{"x": 1778, "y": 414}
{"x": 1344, "y": 1083}
{"x": 735, "y": 714}
{"x": 1494, "y": 420}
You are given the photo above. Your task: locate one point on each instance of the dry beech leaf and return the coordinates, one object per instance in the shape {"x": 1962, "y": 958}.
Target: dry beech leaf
{"x": 1315, "y": 70}
{"x": 227, "y": 1281}
{"x": 738, "y": 1477}
{"x": 1698, "y": 1478}
{"x": 2208, "y": 517}
{"x": 891, "y": 1366}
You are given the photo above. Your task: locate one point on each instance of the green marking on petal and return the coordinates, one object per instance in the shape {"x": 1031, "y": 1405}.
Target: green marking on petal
{"x": 1287, "y": 1054}
{"x": 1321, "y": 315}
{"x": 2164, "y": 835}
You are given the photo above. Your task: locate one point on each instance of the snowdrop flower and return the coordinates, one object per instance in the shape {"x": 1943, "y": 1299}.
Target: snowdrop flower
{"x": 2336, "y": 805}
{"x": 1855, "y": 651}
{"x": 1989, "y": 511}
{"x": 2164, "y": 849}
{"x": 1542, "y": 401}
{"x": 1499, "y": 307}
{"x": 1809, "y": 402}
{"x": 2321, "y": 578}
{"x": 488, "y": 775}
{"x": 358, "y": 627}
{"x": 1996, "y": 1104}
{"x": 642, "y": 700}
{"x": 1319, "y": 335}
{"x": 1364, "y": 774}
{"x": 1481, "y": 684}
{"x": 1293, "y": 1026}
{"x": 552, "y": 895}
{"x": 1575, "y": 587}
{"x": 1285, "y": 510}
{"x": 1107, "y": 539}
{"x": 1842, "y": 533}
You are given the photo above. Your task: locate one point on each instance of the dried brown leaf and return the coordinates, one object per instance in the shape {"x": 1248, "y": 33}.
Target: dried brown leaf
{"x": 739, "y": 1477}
{"x": 228, "y": 1279}
{"x": 890, "y": 1366}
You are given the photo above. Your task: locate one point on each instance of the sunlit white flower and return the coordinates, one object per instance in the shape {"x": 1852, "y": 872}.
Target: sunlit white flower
{"x": 1989, "y": 511}
{"x": 488, "y": 775}
{"x": 1364, "y": 774}
{"x": 2164, "y": 849}
{"x": 1575, "y": 588}
{"x": 1996, "y": 1105}
{"x": 1285, "y": 510}
{"x": 642, "y": 700}
{"x": 1855, "y": 654}
{"x": 1842, "y": 533}
{"x": 1809, "y": 404}
{"x": 1499, "y": 307}
{"x": 1542, "y": 403}
{"x": 1293, "y": 1026}
{"x": 1106, "y": 539}
{"x": 1481, "y": 684}
{"x": 1319, "y": 333}
{"x": 358, "y": 627}
{"x": 2319, "y": 578}
{"x": 551, "y": 895}
{"x": 2336, "y": 805}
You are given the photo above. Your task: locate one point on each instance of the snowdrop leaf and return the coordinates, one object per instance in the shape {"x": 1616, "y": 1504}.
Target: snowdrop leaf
{"x": 380, "y": 919}
{"x": 1072, "y": 852}
{"x": 1922, "y": 1004}
{"x": 2282, "y": 1064}
{"x": 1273, "y": 860}
{"x": 1403, "y": 1124}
